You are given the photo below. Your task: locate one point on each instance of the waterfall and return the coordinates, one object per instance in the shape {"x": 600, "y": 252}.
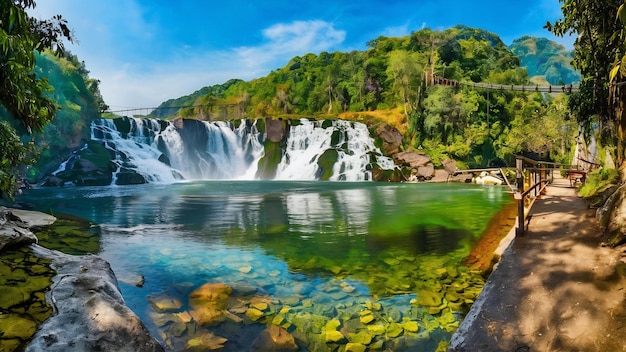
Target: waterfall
{"x": 133, "y": 151}
{"x": 309, "y": 140}
{"x": 154, "y": 150}
{"x": 161, "y": 152}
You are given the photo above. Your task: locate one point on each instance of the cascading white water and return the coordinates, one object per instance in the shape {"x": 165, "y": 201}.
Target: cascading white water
{"x": 305, "y": 144}
{"x": 132, "y": 153}
{"x": 352, "y": 165}
{"x": 163, "y": 151}
{"x": 227, "y": 152}
{"x": 309, "y": 140}
{"x": 234, "y": 152}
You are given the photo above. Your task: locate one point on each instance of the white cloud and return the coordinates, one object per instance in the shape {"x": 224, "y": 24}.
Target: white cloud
{"x": 398, "y": 31}
{"x": 124, "y": 85}
{"x": 288, "y": 40}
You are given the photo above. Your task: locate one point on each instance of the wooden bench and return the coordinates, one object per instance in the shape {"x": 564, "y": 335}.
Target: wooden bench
{"x": 576, "y": 176}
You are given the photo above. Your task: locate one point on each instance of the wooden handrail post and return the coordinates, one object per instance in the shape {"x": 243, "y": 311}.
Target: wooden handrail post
{"x": 519, "y": 180}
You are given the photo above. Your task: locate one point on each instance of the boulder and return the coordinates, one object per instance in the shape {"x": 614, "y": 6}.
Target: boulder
{"x": 90, "y": 313}
{"x": 612, "y": 216}
{"x": 412, "y": 159}
{"x": 208, "y": 303}
{"x": 274, "y": 338}
{"x": 275, "y": 130}
{"x": 14, "y": 235}
{"x": 89, "y": 166}
{"x": 426, "y": 171}
{"x": 129, "y": 177}
{"x": 179, "y": 123}
{"x": 440, "y": 176}
{"x": 26, "y": 217}
{"x": 14, "y": 225}
{"x": 461, "y": 178}
{"x": 391, "y": 138}
{"x": 450, "y": 166}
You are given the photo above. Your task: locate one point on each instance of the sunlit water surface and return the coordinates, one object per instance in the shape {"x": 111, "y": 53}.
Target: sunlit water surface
{"x": 320, "y": 253}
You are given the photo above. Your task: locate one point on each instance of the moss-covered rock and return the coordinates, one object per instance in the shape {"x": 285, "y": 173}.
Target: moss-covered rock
{"x": 98, "y": 155}
{"x": 326, "y": 162}
{"x": 71, "y": 235}
{"x": 428, "y": 298}
{"x": 208, "y": 303}
{"x": 260, "y": 125}
{"x": 270, "y": 160}
{"x": 22, "y": 298}
{"x": 122, "y": 124}
{"x": 90, "y": 166}
{"x": 129, "y": 177}
{"x": 275, "y": 130}
{"x": 392, "y": 175}
{"x": 327, "y": 123}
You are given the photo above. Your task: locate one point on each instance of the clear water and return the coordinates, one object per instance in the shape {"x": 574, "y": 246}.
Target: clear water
{"x": 322, "y": 250}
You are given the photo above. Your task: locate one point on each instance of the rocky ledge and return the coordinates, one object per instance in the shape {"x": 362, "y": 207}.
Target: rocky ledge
{"x": 89, "y": 313}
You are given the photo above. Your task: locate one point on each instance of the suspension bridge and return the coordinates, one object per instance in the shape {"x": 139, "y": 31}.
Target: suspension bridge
{"x": 434, "y": 79}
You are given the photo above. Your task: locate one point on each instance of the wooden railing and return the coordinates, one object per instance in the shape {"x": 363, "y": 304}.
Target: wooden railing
{"x": 531, "y": 179}
{"x": 540, "y": 174}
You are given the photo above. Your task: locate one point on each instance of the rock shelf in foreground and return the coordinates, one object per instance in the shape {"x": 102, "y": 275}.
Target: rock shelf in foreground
{"x": 89, "y": 313}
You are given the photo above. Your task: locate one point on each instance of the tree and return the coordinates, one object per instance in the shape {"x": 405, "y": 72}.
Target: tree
{"x": 406, "y": 72}
{"x": 596, "y": 48}
{"x": 22, "y": 94}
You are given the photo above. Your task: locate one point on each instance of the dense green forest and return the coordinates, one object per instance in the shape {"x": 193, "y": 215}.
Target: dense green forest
{"x": 78, "y": 102}
{"x": 470, "y": 125}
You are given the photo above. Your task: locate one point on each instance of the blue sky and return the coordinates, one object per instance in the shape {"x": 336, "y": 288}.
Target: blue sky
{"x": 147, "y": 51}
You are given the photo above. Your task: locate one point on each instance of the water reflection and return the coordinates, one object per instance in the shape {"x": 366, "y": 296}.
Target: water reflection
{"x": 308, "y": 246}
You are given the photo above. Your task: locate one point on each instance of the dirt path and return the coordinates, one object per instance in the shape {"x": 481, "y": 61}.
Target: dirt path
{"x": 555, "y": 289}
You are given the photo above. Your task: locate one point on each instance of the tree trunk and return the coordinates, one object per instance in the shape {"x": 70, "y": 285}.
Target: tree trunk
{"x": 330, "y": 98}
{"x": 617, "y": 101}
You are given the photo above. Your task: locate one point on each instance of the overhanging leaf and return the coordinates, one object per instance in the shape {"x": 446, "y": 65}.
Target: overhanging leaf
{"x": 621, "y": 14}
{"x": 613, "y": 73}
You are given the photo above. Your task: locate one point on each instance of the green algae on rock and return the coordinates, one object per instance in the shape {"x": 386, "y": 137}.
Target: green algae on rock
{"x": 24, "y": 279}
{"x": 71, "y": 235}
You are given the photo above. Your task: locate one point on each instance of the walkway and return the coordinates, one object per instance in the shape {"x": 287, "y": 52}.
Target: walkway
{"x": 555, "y": 289}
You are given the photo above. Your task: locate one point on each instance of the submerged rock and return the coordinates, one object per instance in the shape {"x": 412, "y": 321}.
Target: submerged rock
{"x": 208, "y": 303}
{"x": 206, "y": 342}
{"x": 165, "y": 304}
{"x": 274, "y": 338}
{"x": 24, "y": 279}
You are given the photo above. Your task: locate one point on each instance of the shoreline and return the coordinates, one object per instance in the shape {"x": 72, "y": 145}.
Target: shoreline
{"x": 555, "y": 288}
{"x": 487, "y": 251}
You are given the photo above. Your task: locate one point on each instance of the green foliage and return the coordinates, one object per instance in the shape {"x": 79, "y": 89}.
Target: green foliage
{"x": 599, "y": 46}
{"x": 598, "y": 181}
{"x": 13, "y": 155}
{"x": 77, "y": 102}
{"x": 23, "y": 94}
